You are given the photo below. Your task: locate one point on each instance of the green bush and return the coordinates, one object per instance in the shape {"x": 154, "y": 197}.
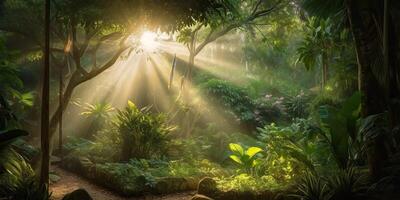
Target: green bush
{"x": 246, "y": 182}
{"x": 237, "y": 103}
{"x": 341, "y": 184}
{"x": 293, "y": 149}
{"x": 245, "y": 158}
{"x": 143, "y": 135}
{"x": 297, "y": 106}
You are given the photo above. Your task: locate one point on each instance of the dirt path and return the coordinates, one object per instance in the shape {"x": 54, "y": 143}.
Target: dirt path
{"x": 70, "y": 182}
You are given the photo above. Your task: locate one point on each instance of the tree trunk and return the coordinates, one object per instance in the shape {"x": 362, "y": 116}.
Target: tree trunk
{"x": 367, "y": 43}
{"x": 324, "y": 69}
{"x": 45, "y": 140}
{"x": 60, "y": 125}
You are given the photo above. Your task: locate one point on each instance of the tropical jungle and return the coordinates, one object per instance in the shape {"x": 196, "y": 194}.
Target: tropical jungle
{"x": 199, "y": 99}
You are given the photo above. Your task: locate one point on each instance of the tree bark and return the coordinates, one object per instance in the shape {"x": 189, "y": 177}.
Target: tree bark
{"x": 45, "y": 143}
{"x": 367, "y": 45}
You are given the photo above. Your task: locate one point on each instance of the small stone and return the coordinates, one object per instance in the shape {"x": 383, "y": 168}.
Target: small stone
{"x": 79, "y": 194}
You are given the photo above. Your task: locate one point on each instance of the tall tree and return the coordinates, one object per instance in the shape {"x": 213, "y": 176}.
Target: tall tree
{"x": 242, "y": 14}
{"x": 45, "y": 144}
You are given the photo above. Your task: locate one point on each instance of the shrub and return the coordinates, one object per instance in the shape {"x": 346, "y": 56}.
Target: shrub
{"x": 246, "y": 182}
{"x": 236, "y": 101}
{"x": 297, "y": 106}
{"x": 245, "y": 158}
{"x": 143, "y": 134}
{"x": 269, "y": 109}
{"x": 292, "y": 149}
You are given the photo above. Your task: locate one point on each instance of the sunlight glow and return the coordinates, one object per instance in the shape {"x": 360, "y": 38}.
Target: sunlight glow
{"x": 148, "y": 41}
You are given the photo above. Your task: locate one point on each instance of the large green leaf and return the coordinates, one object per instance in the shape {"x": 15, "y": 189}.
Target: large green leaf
{"x": 252, "y": 151}
{"x": 336, "y": 126}
{"x": 236, "y": 148}
{"x": 236, "y": 159}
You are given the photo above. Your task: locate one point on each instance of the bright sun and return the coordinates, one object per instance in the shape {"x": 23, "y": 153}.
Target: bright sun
{"x": 148, "y": 41}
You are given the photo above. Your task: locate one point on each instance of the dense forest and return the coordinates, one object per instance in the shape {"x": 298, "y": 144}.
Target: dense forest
{"x": 199, "y": 99}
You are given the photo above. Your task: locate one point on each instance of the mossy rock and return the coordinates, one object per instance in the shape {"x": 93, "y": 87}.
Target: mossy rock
{"x": 79, "y": 194}
{"x": 171, "y": 184}
{"x": 207, "y": 186}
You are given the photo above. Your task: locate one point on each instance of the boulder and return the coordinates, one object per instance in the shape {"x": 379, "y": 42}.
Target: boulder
{"x": 207, "y": 186}
{"x": 79, "y": 194}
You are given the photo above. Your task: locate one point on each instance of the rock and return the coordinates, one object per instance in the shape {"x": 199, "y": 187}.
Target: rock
{"x": 54, "y": 178}
{"x": 169, "y": 185}
{"x": 79, "y": 194}
{"x": 207, "y": 186}
{"x": 200, "y": 197}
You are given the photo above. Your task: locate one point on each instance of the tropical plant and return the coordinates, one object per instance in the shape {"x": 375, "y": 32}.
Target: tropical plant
{"x": 245, "y": 158}
{"x": 292, "y": 149}
{"x": 311, "y": 187}
{"x": 98, "y": 113}
{"x": 143, "y": 134}
{"x": 340, "y": 128}
{"x": 17, "y": 178}
{"x": 346, "y": 184}
{"x": 297, "y": 106}
{"x": 342, "y": 184}
{"x": 233, "y": 98}
{"x": 318, "y": 45}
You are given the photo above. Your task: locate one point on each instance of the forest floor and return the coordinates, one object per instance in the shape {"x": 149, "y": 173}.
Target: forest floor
{"x": 69, "y": 182}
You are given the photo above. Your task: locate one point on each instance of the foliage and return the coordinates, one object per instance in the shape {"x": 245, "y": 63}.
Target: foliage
{"x": 343, "y": 184}
{"x": 292, "y": 149}
{"x": 340, "y": 128}
{"x": 245, "y": 158}
{"x": 297, "y": 106}
{"x": 19, "y": 181}
{"x": 311, "y": 187}
{"x": 17, "y": 178}
{"x": 143, "y": 134}
{"x": 152, "y": 170}
{"x": 270, "y": 109}
{"x": 246, "y": 182}
{"x": 234, "y": 98}
{"x": 98, "y": 114}
{"x": 318, "y": 41}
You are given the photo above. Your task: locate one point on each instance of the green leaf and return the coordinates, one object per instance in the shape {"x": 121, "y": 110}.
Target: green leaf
{"x": 252, "y": 151}
{"x": 236, "y": 148}
{"x": 236, "y": 159}
{"x": 131, "y": 104}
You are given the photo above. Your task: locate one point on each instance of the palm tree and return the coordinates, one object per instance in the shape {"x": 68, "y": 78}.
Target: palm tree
{"x": 317, "y": 46}
{"x": 97, "y": 113}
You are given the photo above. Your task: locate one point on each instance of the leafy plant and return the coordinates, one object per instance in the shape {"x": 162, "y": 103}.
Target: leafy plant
{"x": 143, "y": 134}
{"x": 292, "y": 149}
{"x": 342, "y": 184}
{"x": 297, "y": 106}
{"x": 246, "y": 182}
{"x": 97, "y": 113}
{"x": 311, "y": 187}
{"x": 17, "y": 178}
{"x": 245, "y": 158}
{"x": 232, "y": 97}
{"x": 340, "y": 128}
